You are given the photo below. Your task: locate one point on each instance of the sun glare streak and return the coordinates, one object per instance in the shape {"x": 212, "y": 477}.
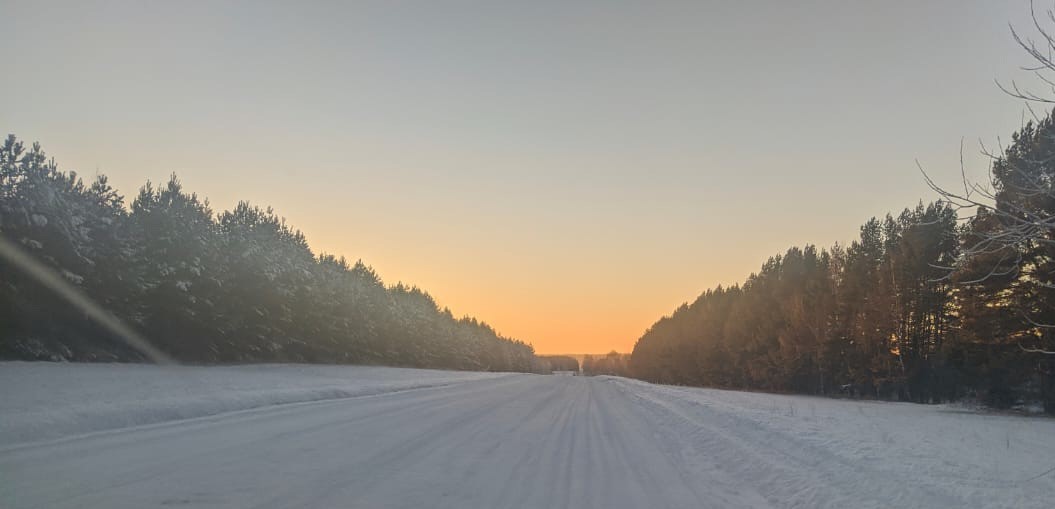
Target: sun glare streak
{"x": 54, "y": 282}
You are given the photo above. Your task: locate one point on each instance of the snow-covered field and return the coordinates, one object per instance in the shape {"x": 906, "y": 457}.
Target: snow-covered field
{"x": 324, "y": 436}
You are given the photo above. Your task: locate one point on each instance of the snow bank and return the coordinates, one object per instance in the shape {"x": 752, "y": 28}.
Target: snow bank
{"x": 43, "y": 401}
{"x": 801, "y": 451}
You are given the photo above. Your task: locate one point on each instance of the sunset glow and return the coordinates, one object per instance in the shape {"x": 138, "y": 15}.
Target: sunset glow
{"x": 565, "y": 173}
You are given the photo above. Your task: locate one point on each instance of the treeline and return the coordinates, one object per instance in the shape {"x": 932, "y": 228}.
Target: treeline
{"x": 612, "y": 363}
{"x": 238, "y": 286}
{"x": 551, "y": 363}
{"x": 919, "y": 308}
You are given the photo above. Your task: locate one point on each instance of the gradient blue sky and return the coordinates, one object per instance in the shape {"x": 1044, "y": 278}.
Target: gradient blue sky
{"x": 566, "y": 171}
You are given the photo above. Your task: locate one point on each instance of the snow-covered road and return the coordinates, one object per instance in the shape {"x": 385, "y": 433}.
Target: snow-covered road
{"x": 540, "y": 441}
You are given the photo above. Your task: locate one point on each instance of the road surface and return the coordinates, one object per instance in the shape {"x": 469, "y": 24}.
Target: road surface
{"x": 515, "y": 441}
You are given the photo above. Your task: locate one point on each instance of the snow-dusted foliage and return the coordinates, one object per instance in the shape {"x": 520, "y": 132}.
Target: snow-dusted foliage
{"x": 241, "y": 285}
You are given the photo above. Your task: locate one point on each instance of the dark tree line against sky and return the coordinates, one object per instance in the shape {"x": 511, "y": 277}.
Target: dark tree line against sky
{"x": 238, "y": 286}
{"x": 924, "y": 306}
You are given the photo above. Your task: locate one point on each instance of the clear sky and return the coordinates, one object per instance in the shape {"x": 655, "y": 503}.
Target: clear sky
{"x": 566, "y": 171}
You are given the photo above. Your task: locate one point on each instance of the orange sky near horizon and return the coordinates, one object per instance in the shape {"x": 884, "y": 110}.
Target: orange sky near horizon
{"x": 567, "y": 172}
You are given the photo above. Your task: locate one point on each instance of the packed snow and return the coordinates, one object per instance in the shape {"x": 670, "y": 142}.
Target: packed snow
{"x": 323, "y": 436}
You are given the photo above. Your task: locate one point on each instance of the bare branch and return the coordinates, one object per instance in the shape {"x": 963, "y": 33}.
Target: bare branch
{"x": 1036, "y": 350}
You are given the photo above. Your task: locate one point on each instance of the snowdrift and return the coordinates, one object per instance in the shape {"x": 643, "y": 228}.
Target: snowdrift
{"x": 44, "y": 401}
